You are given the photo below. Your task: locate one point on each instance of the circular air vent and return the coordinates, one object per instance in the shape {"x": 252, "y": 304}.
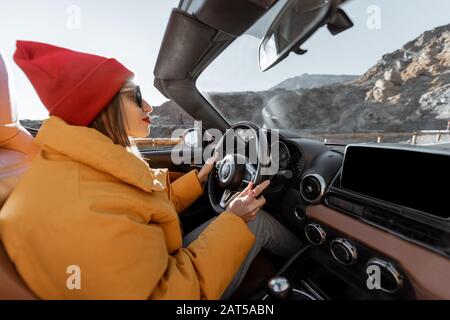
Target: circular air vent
{"x": 315, "y": 234}
{"x": 312, "y": 188}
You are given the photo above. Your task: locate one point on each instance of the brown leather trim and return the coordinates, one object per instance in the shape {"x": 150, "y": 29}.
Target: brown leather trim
{"x": 12, "y": 287}
{"x": 428, "y": 272}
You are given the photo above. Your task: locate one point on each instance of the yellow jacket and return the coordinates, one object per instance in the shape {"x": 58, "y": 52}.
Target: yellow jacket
{"x": 88, "y": 203}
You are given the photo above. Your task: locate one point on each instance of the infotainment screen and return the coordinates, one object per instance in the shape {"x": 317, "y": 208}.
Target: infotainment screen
{"x": 411, "y": 178}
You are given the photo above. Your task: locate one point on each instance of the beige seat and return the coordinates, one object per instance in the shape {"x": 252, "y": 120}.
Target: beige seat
{"x": 16, "y": 151}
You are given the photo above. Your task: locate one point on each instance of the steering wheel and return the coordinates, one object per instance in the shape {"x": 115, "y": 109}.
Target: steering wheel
{"x": 243, "y": 153}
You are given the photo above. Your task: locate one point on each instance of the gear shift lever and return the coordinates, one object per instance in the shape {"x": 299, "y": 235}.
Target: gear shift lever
{"x": 279, "y": 288}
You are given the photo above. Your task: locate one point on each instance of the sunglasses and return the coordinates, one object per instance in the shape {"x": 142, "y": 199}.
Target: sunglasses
{"x": 137, "y": 95}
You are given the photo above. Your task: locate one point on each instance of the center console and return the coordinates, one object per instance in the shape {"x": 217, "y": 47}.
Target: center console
{"x": 381, "y": 219}
{"x": 336, "y": 267}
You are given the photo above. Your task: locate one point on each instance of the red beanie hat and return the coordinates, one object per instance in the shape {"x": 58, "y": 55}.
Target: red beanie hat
{"x": 73, "y": 86}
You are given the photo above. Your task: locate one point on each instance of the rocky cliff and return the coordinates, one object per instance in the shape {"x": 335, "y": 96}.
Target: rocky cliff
{"x": 309, "y": 81}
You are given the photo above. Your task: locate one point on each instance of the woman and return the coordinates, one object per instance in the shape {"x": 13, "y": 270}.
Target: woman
{"x": 91, "y": 220}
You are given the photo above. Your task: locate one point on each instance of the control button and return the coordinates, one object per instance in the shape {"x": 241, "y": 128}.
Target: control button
{"x": 346, "y": 205}
{"x": 358, "y": 209}
{"x": 343, "y": 251}
{"x": 341, "y": 203}
{"x": 315, "y": 234}
{"x": 369, "y": 211}
{"x": 333, "y": 201}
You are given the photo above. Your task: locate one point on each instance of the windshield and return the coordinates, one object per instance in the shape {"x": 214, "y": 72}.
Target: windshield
{"x": 385, "y": 80}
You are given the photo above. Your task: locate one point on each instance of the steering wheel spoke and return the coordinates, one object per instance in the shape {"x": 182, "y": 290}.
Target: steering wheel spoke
{"x": 249, "y": 175}
{"x": 218, "y": 164}
{"x": 227, "y": 197}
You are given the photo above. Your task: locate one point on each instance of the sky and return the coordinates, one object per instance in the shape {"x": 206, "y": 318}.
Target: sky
{"x": 131, "y": 31}
{"x": 352, "y": 52}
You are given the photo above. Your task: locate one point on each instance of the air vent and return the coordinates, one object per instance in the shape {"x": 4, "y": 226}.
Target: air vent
{"x": 312, "y": 188}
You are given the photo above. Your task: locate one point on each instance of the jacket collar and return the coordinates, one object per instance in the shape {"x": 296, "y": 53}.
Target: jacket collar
{"x": 88, "y": 146}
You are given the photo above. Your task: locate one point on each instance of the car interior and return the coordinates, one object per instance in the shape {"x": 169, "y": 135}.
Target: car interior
{"x": 354, "y": 209}
{"x": 374, "y": 223}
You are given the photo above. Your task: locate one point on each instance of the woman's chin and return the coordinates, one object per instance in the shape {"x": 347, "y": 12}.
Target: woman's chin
{"x": 142, "y": 134}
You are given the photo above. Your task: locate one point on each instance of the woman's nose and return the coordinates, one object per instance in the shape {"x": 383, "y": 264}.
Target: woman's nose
{"x": 147, "y": 108}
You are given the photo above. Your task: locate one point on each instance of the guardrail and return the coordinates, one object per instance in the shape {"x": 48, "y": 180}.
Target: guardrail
{"x": 424, "y": 137}
{"x": 439, "y": 136}
{"x": 156, "y": 142}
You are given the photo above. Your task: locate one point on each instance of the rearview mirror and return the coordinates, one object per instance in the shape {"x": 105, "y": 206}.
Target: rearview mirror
{"x": 297, "y": 21}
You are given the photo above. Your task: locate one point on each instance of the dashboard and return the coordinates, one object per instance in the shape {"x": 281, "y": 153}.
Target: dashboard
{"x": 367, "y": 207}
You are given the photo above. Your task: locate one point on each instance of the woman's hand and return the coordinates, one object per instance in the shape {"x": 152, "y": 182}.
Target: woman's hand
{"x": 247, "y": 204}
{"x": 206, "y": 169}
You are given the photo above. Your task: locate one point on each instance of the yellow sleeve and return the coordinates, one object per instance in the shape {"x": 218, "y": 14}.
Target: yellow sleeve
{"x": 206, "y": 268}
{"x": 185, "y": 190}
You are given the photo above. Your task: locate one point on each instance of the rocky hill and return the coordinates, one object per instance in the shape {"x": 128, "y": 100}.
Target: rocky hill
{"x": 309, "y": 81}
{"x": 169, "y": 117}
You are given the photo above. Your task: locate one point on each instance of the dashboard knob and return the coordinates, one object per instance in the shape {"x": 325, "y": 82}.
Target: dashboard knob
{"x": 279, "y": 288}
{"x": 390, "y": 279}
{"x": 343, "y": 251}
{"x": 315, "y": 234}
